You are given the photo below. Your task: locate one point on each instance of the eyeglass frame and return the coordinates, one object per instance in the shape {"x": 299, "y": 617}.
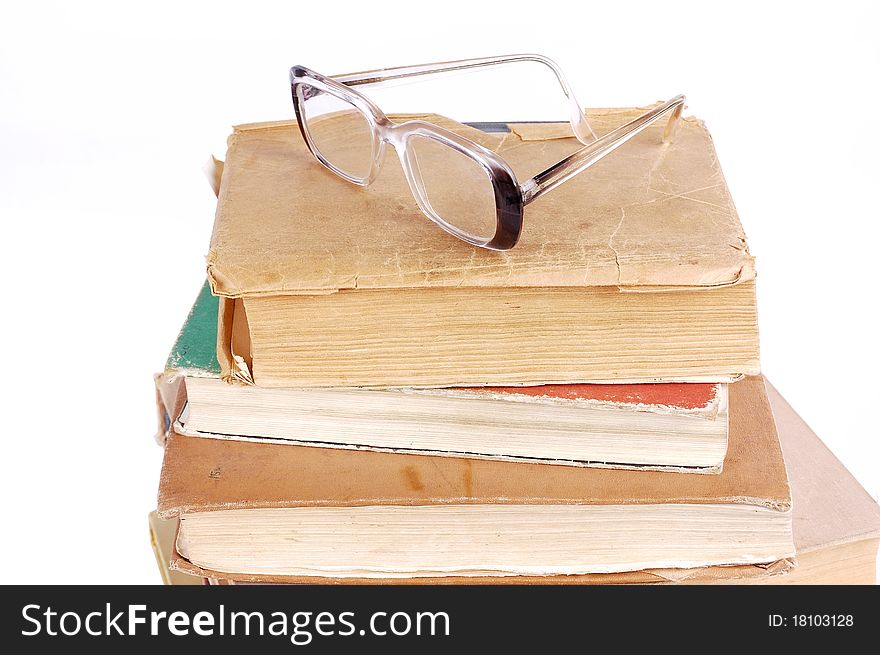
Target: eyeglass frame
{"x": 511, "y": 197}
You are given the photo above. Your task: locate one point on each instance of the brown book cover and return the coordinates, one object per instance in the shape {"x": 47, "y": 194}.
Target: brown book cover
{"x": 643, "y": 254}
{"x": 835, "y": 521}
{"x": 208, "y": 474}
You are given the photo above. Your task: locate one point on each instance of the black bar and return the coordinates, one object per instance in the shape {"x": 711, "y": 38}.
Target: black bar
{"x": 435, "y": 619}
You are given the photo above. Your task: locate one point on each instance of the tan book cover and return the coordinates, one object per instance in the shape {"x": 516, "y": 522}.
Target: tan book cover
{"x": 324, "y": 283}
{"x": 836, "y": 530}
{"x": 651, "y": 215}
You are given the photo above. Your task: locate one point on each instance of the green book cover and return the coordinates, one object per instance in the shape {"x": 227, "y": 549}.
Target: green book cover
{"x": 195, "y": 351}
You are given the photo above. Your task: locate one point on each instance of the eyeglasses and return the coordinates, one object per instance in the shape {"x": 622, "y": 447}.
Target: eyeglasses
{"x": 465, "y": 188}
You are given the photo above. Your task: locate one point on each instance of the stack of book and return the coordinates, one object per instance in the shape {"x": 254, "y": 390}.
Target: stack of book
{"x": 359, "y": 397}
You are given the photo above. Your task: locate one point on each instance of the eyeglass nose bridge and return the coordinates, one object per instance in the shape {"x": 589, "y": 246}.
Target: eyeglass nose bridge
{"x": 396, "y": 135}
{"x": 393, "y": 134}
{"x": 386, "y": 133}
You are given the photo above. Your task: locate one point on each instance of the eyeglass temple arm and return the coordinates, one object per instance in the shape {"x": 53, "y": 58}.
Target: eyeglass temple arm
{"x": 585, "y": 157}
{"x": 578, "y": 121}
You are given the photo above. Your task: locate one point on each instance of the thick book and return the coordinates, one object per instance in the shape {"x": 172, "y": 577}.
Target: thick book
{"x": 635, "y": 271}
{"x": 270, "y": 509}
{"x": 676, "y": 426}
{"x": 836, "y": 529}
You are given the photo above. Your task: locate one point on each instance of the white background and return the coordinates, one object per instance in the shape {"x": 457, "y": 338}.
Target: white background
{"x": 107, "y": 115}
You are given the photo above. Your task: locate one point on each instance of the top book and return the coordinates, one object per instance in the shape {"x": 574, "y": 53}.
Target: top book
{"x": 324, "y": 283}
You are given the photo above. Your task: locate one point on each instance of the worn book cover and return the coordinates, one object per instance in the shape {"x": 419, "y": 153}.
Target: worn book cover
{"x": 653, "y": 214}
